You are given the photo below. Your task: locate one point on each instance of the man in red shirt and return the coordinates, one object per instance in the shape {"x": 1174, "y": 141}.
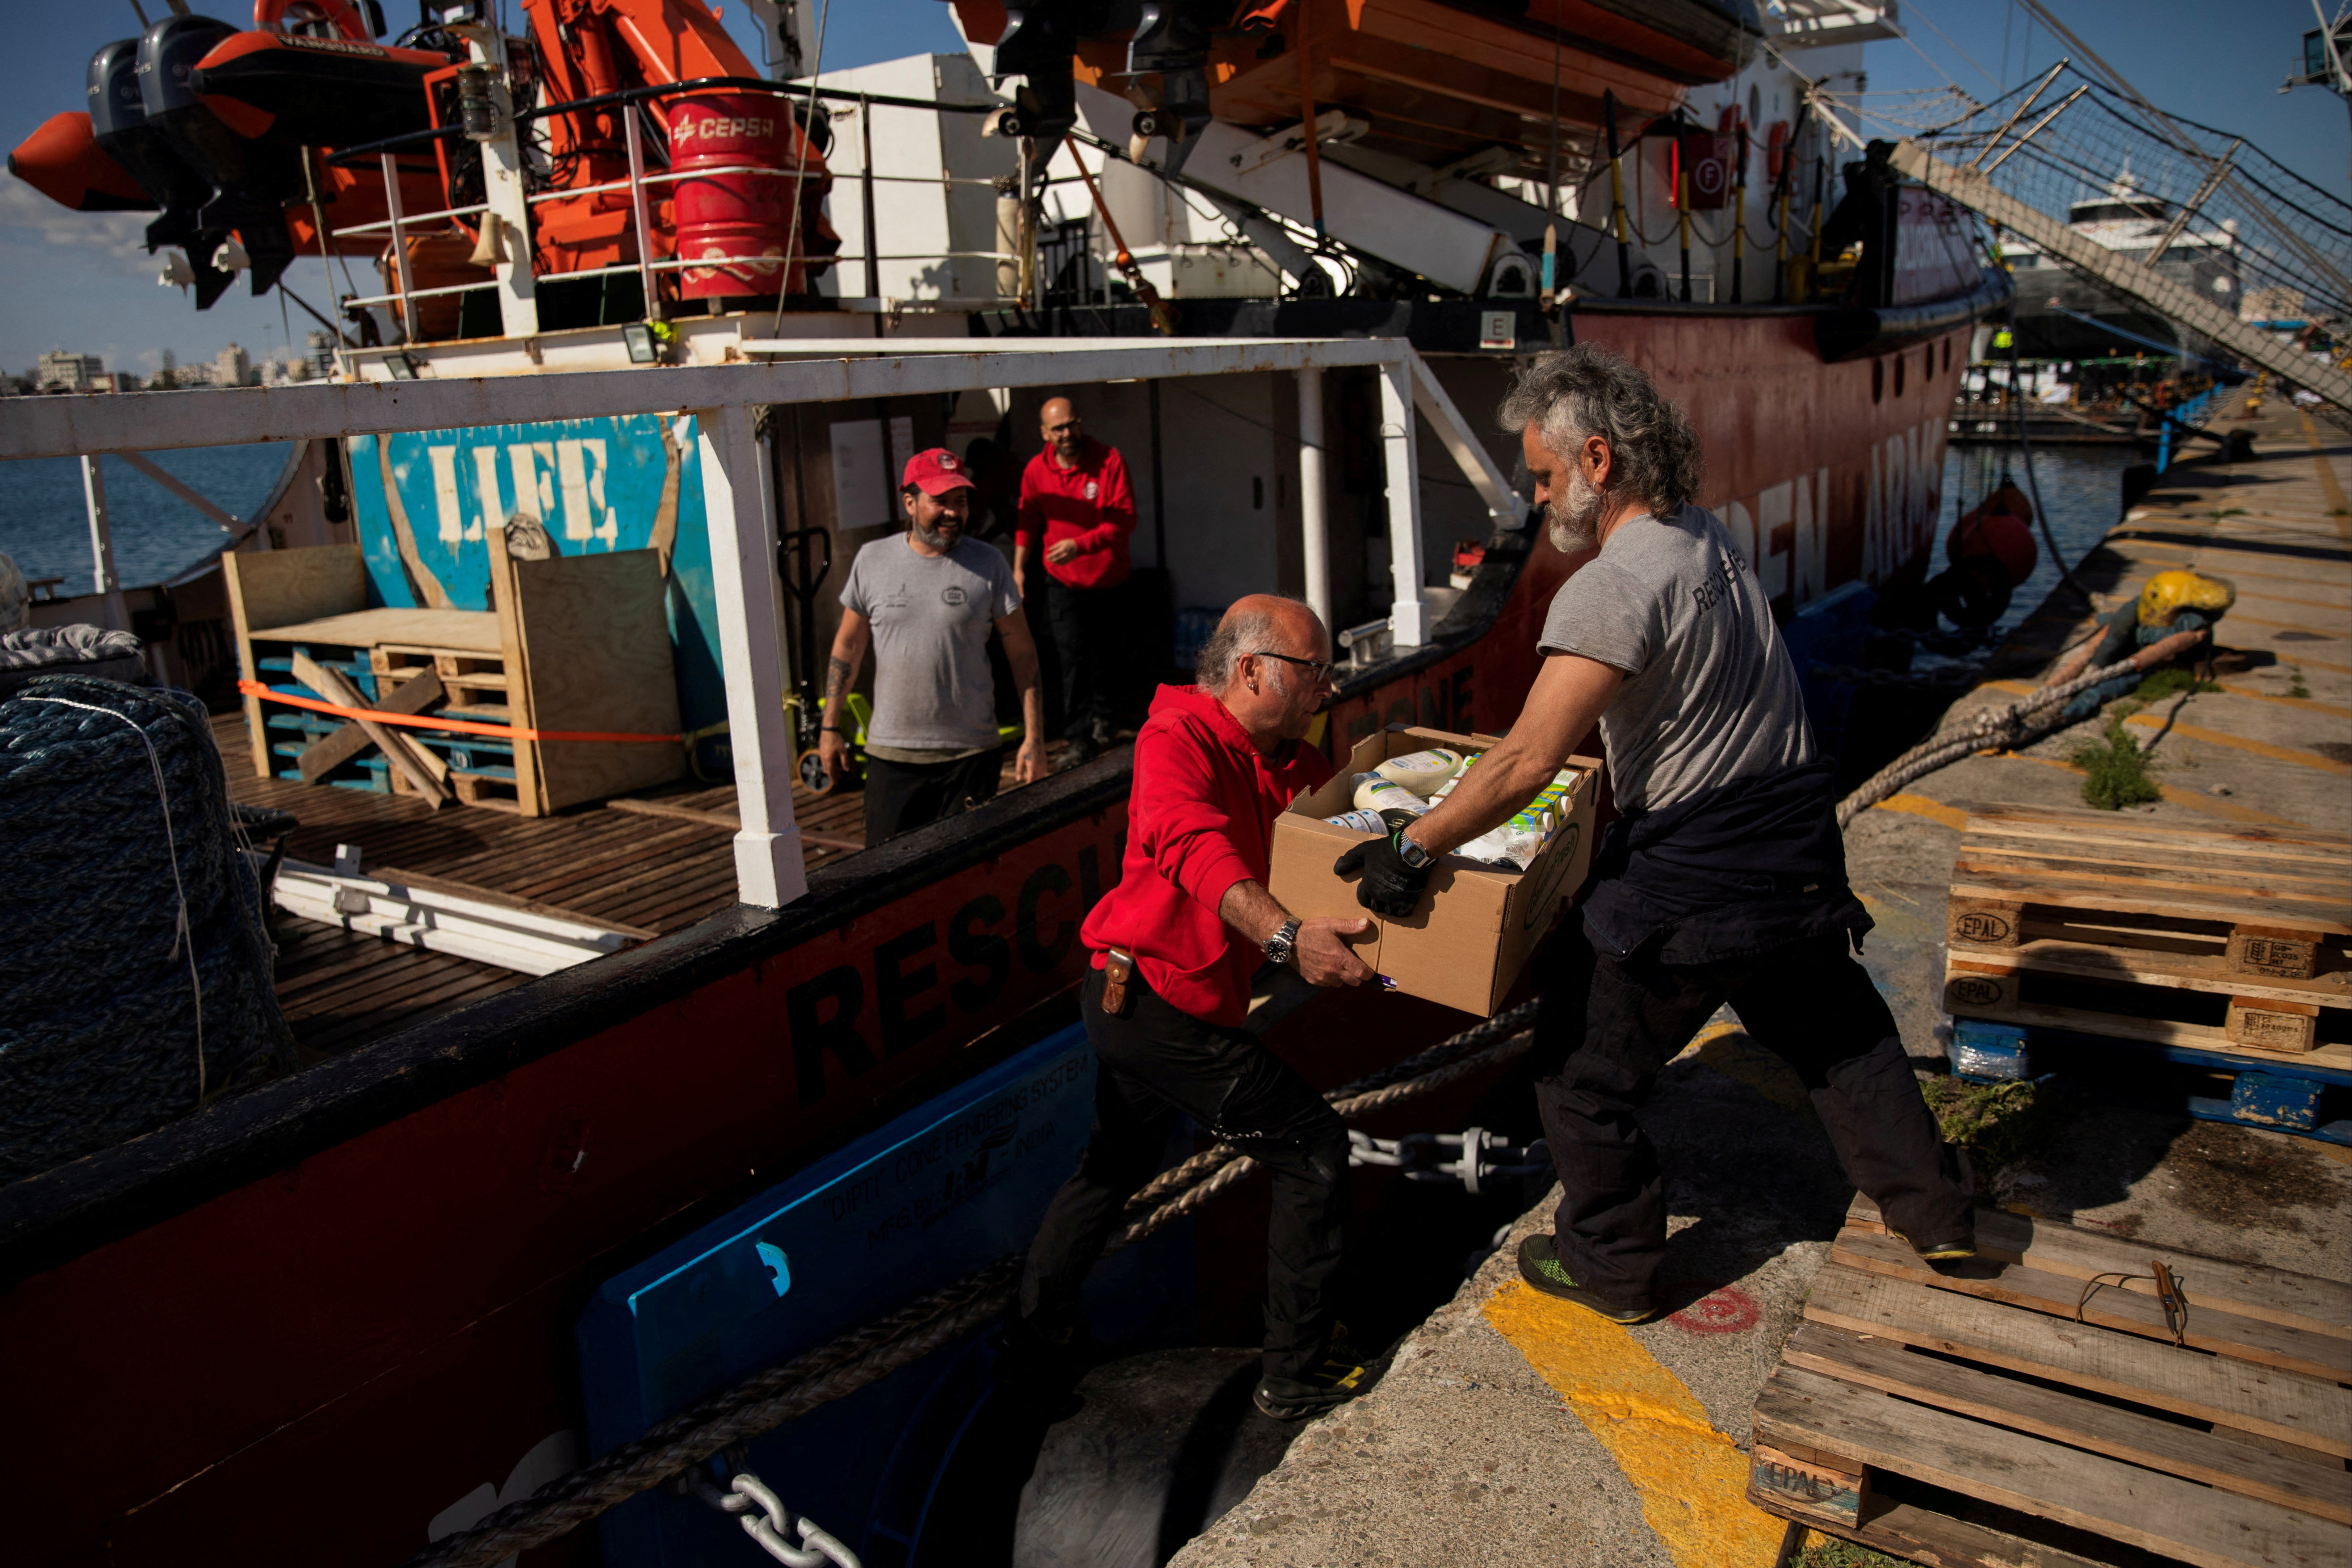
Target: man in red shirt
{"x": 1076, "y": 506}
{"x": 1174, "y": 946}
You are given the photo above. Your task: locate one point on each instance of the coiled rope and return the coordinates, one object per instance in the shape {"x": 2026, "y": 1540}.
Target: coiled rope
{"x": 2006, "y": 727}
{"x": 789, "y": 1389}
{"x": 139, "y": 971}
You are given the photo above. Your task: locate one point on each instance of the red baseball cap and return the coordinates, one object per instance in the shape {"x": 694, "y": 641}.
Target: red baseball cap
{"x": 936, "y": 472}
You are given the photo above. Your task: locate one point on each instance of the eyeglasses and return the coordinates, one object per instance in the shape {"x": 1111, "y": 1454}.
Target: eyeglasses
{"x": 1316, "y": 669}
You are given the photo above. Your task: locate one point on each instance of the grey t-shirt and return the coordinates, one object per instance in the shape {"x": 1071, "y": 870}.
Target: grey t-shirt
{"x": 1709, "y": 695}
{"x": 931, "y": 616}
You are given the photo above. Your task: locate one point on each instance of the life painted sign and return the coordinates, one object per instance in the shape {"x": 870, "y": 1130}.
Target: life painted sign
{"x": 562, "y": 487}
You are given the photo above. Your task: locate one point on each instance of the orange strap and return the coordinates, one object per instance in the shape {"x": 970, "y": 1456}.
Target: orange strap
{"x": 432, "y": 722}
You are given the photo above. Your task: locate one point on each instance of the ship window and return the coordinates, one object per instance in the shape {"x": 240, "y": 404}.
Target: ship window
{"x": 1947, "y": 354}
{"x": 1877, "y": 381}
{"x": 1898, "y": 376}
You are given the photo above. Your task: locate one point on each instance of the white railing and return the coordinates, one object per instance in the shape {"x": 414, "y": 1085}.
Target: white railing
{"x": 640, "y": 183}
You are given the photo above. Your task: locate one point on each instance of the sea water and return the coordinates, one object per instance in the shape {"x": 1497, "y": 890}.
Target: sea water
{"x": 45, "y": 523}
{"x": 2083, "y": 486}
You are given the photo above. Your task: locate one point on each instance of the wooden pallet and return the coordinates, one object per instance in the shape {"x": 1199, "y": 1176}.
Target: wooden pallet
{"x": 1997, "y": 1417}
{"x": 2178, "y": 936}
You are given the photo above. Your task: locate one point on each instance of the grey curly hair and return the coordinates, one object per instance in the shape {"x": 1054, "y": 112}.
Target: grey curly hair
{"x": 1589, "y": 391}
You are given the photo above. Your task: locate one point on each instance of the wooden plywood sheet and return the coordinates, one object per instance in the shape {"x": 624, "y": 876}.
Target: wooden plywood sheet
{"x": 467, "y": 631}
{"x": 272, "y": 588}
{"x": 596, "y": 656}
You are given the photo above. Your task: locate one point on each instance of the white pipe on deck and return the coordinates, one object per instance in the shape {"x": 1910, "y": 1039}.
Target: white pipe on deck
{"x": 1315, "y": 531}
{"x": 1408, "y": 620}
{"x": 736, "y": 504}
{"x": 106, "y": 580}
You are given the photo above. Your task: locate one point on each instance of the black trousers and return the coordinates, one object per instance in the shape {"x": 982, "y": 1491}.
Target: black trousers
{"x": 1611, "y": 1027}
{"x": 901, "y": 797}
{"x": 1090, "y": 645}
{"x": 1159, "y": 1062}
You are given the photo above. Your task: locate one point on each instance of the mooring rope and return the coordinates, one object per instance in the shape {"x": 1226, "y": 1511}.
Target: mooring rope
{"x": 2006, "y": 727}
{"x": 789, "y": 1389}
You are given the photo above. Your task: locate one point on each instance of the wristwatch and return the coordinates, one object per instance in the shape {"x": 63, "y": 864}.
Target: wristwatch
{"x": 1283, "y": 944}
{"x": 1414, "y": 856}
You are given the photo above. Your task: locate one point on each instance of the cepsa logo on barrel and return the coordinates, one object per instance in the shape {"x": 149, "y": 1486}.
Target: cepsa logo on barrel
{"x": 718, "y": 128}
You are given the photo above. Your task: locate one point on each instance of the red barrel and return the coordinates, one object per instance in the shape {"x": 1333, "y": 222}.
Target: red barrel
{"x": 746, "y": 217}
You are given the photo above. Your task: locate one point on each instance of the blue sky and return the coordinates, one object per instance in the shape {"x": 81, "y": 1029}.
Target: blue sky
{"x": 83, "y": 281}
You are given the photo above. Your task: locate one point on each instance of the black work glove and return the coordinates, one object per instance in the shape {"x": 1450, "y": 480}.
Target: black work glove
{"x": 1390, "y": 886}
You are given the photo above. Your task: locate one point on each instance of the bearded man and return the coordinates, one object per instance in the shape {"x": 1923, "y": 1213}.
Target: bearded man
{"x": 926, "y": 601}
{"x": 1723, "y": 882}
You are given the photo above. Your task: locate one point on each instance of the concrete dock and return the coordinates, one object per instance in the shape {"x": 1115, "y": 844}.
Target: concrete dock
{"x": 1511, "y": 1428}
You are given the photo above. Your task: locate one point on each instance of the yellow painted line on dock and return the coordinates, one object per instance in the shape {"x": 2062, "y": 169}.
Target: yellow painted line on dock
{"x": 2308, "y": 704}
{"x": 2240, "y": 744}
{"x": 1693, "y": 1479}
{"x": 1920, "y": 805}
{"x": 2233, "y": 573}
{"x": 2211, "y": 806}
{"x": 2237, "y": 619}
{"x": 2314, "y": 663}
{"x": 2259, "y": 597}
{"x": 2332, "y": 488}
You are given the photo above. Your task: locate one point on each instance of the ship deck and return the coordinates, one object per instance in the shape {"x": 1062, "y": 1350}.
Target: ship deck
{"x": 1547, "y": 1436}
{"x": 661, "y": 863}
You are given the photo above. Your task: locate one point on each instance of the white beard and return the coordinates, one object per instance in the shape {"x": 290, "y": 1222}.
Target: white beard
{"x": 1573, "y": 521}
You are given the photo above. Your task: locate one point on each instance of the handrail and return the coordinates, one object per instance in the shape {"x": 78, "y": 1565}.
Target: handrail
{"x": 662, "y": 90}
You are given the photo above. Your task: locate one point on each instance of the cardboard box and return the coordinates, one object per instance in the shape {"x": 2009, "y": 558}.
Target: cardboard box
{"x": 1466, "y": 945}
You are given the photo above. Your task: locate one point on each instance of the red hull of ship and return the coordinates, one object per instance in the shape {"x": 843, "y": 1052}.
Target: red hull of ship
{"x": 313, "y": 1364}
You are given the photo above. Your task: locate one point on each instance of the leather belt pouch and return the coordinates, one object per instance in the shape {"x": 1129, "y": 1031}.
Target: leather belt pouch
{"x": 1119, "y": 972}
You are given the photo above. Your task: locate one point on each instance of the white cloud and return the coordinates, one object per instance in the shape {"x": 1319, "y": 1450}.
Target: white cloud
{"x": 121, "y": 235}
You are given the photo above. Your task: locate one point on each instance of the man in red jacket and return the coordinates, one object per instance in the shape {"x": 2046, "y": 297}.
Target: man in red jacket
{"x": 1174, "y": 946}
{"x": 1076, "y": 504}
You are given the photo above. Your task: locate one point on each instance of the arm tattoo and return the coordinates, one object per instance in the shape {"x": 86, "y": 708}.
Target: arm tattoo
{"x": 838, "y": 676}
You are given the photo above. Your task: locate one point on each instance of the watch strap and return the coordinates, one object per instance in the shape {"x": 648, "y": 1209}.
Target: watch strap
{"x": 1283, "y": 941}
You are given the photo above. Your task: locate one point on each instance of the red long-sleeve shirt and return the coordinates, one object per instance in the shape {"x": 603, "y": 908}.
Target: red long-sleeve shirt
{"x": 1090, "y": 505}
{"x": 1199, "y": 818}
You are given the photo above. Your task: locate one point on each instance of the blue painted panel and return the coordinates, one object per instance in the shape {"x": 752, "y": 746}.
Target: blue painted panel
{"x": 595, "y": 485}
{"x": 926, "y": 1200}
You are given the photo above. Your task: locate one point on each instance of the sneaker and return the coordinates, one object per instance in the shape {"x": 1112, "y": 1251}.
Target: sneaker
{"x": 1540, "y": 1267}
{"x": 1939, "y": 1254}
{"x": 1083, "y": 749}
{"x": 1331, "y": 1382}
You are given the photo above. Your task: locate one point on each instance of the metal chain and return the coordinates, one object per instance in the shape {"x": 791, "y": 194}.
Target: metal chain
{"x": 1478, "y": 1154}
{"x": 833, "y": 1371}
{"x": 754, "y": 1505}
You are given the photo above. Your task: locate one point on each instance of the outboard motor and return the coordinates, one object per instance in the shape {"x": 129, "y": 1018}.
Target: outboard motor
{"x": 118, "y": 120}
{"x": 250, "y": 180}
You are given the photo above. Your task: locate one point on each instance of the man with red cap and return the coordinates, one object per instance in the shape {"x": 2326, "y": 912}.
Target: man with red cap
{"x": 927, "y": 600}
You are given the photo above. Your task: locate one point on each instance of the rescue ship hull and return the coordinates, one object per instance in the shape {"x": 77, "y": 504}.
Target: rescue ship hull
{"x": 319, "y": 1317}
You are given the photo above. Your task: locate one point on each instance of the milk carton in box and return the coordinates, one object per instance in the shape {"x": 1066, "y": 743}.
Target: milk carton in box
{"x": 1466, "y": 944}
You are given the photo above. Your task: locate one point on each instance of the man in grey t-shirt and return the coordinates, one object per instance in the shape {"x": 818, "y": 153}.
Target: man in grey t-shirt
{"x": 927, "y": 601}
{"x": 1707, "y": 692}
{"x": 1724, "y": 881}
